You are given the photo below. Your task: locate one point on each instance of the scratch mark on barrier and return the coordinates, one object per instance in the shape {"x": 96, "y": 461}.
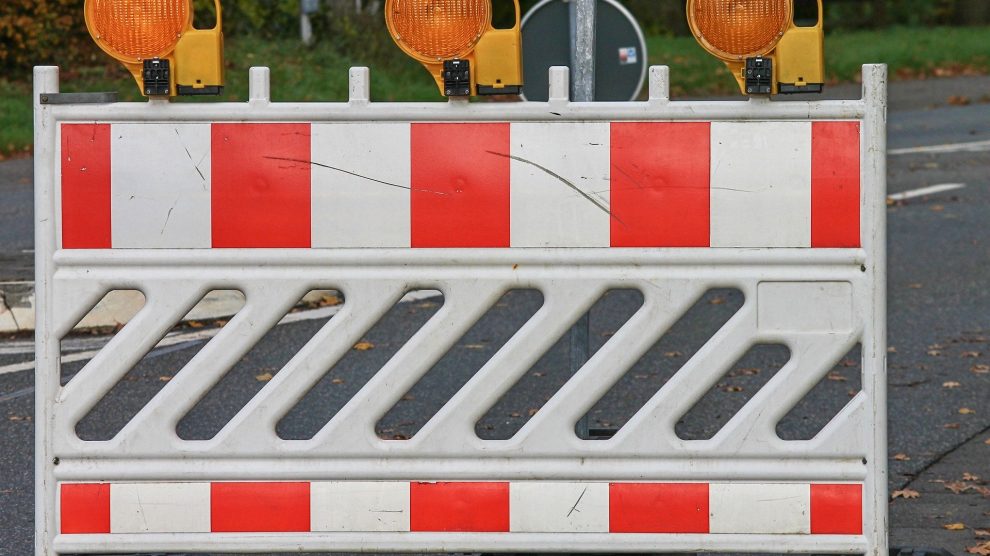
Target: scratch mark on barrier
{"x": 189, "y": 154}
{"x": 168, "y": 216}
{"x": 355, "y": 174}
{"x": 574, "y": 507}
{"x": 563, "y": 180}
{"x": 3, "y": 300}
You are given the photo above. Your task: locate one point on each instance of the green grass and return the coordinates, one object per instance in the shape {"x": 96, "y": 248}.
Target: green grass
{"x": 320, "y": 73}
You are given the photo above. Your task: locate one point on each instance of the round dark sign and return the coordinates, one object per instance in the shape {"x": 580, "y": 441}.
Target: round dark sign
{"x": 620, "y": 50}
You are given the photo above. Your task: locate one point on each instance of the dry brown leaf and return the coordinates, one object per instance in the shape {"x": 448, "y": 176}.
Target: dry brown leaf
{"x": 966, "y": 411}
{"x": 195, "y": 324}
{"x": 533, "y": 411}
{"x": 164, "y": 378}
{"x": 954, "y": 527}
{"x": 970, "y": 477}
{"x": 906, "y": 494}
{"x": 751, "y": 371}
{"x": 951, "y": 384}
{"x": 515, "y": 414}
{"x": 717, "y": 301}
{"x": 264, "y": 377}
{"x": 364, "y": 346}
{"x": 15, "y": 418}
{"x": 891, "y": 349}
{"x": 951, "y": 426}
{"x": 836, "y": 377}
{"x": 980, "y": 533}
{"x": 538, "y": 374}
{"x": 337, "y": 381}
{"x": 970, "y": 354}
{"x": 980, "y": 549}
{"x": 673, "y": 354}
{"x": 902, "y": 457}
{"x": 934, "y": 352}
{"x": 987, "y": 442}
{"x": 475, "y": 346}
{"x": 916, "y": 286}
{"x": 408, "y": 398}
{"x": 958, "y": 487}
{"x": 937, "y": 208}
{"x": 980, "y": 369}
{"x": 734, "y": 389}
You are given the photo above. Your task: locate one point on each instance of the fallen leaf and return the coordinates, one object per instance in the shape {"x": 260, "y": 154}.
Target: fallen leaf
{"x": 951, "y": 384}
{"x": 195, "y": 324}
{"x": 981, "y": 369}
{"x": 734, "y": 389}
{"x": 987, "y": 442}
{"x": 902, "y": 457}
{"x": 538, "y": 374}
{"x": 958, "y": 487}
{"x": 337, "y": 381}
{"x": 937, "y": 208}
{"x": 717, "y": 301}
{"x": 980, "y": 549}
{"x": 533, "y": 411}
{"x": 849, "y": 363}
{"x": 836, "y": 377}
{"x": 959, "y": 100}
{"x": 916, "y": 286}
{"x": 475, "y": 346}
{"x": 970, "y": 477}
{"x": 673, "y": 354}
{"x": 408, "y": 398}
{"x": 515, "y": 414}
{"x": 15, "y": 418}
{"x": 970, "y": 354}
{"x": 951, "y": 426}
{"x": 264, "y": 377}
{"x": 891, "y": 349}
{"x": 934, "y": 353}
{"x": 979, "y": 533}
{"x": 905, "y": 493}
{"x": 954, "y": 527}
{"x": 752, "y": 371}
{"x": 966, "y": 411}
{"x": 364, "y": 346}
{"x": 164, "y": 378}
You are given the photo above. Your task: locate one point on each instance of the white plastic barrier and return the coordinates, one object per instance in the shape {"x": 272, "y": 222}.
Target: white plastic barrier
{"x": 784, "y": 201}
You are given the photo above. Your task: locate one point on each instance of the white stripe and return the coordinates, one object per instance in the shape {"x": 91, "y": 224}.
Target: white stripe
{"x": 359, "y": 506}
{"x": 761, "y": 184}
{"x": 558, "y": 507}
{"x": 160, "y": 185}
{"x": 753, "y": 509}
{"x": 932, "y": 190}
{"x": 160, "y": 508}
{"x": 361, "y": 180}
{"x": 974, "y": 147}
{"x": 560, "y": 185}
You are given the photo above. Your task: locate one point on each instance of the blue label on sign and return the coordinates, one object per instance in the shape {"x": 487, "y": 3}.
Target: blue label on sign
{"x": 628, "y": 55}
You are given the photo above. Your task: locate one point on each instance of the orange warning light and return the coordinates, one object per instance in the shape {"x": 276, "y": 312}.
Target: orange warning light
{"x": 134, "y": 30}
{"x": 741, "y": 28}
{"x": 433, "y": 30}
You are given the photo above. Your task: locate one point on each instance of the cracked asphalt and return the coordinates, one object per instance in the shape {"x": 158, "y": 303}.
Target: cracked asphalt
{"x": 939, "y": 355}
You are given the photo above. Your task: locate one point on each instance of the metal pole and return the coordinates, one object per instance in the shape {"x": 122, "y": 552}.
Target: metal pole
{"x": 583, "y": 14}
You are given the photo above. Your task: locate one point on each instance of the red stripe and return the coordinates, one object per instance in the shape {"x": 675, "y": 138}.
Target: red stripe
{"x": 835, "y": 184}
{"x": 459, "y": 507}
{"x": 259, "y": 507}
{"x": 86, "y": 186}
{"x": 460, "y": 185}
{"x": 837, "y": 509}
{"x": 85, "y": 508}
{"x": 261, "y": 185}
{"x": 658, "y": 508}
{"x": 661, "y": 184}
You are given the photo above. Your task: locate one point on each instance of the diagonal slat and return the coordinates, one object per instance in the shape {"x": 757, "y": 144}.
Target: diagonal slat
{"x": 453, "y": 427}
{"x": 553, "y": 426}
{"x": 252, "y": 429}
{"x": 164, "y": 306}
{"x": 656, "y": 419}
{"x": 352, "y": 429}
{"x": 152, "y": 430}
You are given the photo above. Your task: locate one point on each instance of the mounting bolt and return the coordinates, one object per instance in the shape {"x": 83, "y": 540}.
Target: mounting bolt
{"x": 55, "y": 461}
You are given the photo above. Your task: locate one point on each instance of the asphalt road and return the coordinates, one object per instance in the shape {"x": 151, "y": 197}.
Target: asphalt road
{"x": 939, "y": 329}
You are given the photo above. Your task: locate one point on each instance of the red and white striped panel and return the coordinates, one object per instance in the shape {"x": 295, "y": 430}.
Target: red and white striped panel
{"x": 445, "y": 185}
{"x": 486, "y": 507}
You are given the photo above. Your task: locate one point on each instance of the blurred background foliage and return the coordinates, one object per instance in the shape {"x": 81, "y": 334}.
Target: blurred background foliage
{"x": 34, "y": 32}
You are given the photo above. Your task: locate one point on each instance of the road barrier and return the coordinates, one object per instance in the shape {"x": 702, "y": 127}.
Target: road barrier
{"x": 784, "y": 201}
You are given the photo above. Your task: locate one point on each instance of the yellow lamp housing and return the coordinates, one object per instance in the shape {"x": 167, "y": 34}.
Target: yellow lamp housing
{"x": 457, "y": 43}
{"x": 157, "y": 42}
{"x": 767, "y": 46}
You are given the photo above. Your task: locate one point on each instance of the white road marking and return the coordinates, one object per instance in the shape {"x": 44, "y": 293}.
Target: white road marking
{"x": 931, "y": 190}
{"x": 974, "y": 147}
{"x": 184, "y": 337}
